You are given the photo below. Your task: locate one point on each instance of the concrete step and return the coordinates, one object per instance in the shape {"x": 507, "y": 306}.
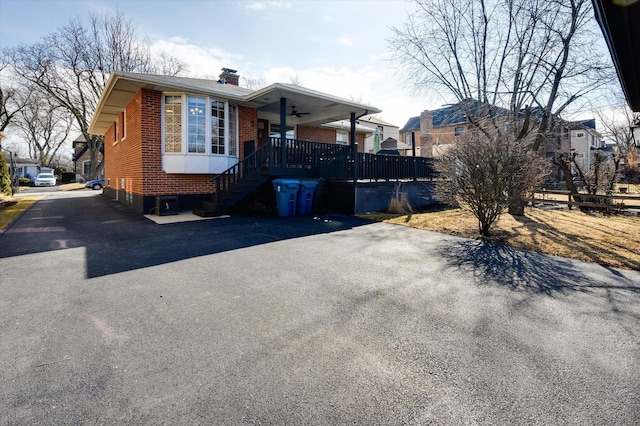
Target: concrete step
{"x": 204, "y": 212}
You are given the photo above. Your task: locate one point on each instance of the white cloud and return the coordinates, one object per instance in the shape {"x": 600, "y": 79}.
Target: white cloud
{"x": 262, "y": 5}
{"x": 345, "y": 41}
{"x": 202, "y": 62}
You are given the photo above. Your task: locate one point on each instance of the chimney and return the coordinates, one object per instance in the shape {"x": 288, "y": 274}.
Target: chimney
{"x": 229, "y": 76}
{"x": 426, "y": 134}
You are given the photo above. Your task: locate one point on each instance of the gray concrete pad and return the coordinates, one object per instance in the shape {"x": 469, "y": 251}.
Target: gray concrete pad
{"x": 109, "y": 318}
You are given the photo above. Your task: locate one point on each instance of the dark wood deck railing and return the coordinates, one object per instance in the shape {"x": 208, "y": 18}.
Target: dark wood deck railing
{"x": 334, "y": 161}
{"x": 303, "y": 153}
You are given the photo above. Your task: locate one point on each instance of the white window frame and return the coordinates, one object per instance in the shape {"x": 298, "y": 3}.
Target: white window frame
{"x": 230, "y": 137}
{"x": 84, "y": 167}
{"x": 339, "y": 140}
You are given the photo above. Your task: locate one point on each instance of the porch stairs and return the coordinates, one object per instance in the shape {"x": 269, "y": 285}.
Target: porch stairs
{"x": 235, "y": 183}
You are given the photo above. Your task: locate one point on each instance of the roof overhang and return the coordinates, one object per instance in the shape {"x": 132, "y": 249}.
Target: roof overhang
{"x": 620, "y": 24}
{"x": 320, "y": 108}
{"x": 346, "y": 125}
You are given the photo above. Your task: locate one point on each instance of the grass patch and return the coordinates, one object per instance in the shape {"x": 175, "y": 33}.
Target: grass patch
{"x": 609, "y": 240}
{"x": 13, "y": 209}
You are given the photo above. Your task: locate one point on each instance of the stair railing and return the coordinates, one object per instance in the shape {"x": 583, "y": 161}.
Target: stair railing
{"x": 243, "y": 169}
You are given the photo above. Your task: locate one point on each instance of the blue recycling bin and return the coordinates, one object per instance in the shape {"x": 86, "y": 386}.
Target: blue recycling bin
{"x": 305, "y": 196}
{"x": 286, "y": 196}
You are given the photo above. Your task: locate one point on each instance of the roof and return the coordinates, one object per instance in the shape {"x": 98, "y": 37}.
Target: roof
{"x": 581, "y": 124}
{"x": 346, "y": 125}
{"x": 375, "y": 120}
{"x": 411, "y": 125}
{"x": 320, "y": 107}
{"x": 619, "y": 24}
{"x": 391, "y": 143}
{"x": 450, "y": 115}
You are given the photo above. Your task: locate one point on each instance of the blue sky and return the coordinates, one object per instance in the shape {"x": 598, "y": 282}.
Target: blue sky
{"x": 338, "y": 47}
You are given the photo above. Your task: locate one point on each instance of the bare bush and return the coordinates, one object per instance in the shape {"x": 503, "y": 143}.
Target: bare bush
{"x": 483, "y": 170}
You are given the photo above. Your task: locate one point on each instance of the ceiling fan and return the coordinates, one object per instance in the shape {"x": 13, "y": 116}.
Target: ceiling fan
{"x": 296, "y": 113}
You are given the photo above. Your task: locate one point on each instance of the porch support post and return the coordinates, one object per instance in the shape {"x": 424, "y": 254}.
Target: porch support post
{"x": 283, "y": 132}
{"x": 354, "y": 147}
{"x": 413, "y": 149}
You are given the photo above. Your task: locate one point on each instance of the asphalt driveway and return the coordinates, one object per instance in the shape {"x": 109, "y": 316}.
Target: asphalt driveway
{"x": 109, "y": 318}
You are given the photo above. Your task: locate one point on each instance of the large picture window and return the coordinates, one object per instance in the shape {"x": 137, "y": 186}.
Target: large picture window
{"x": 196, "y": 125}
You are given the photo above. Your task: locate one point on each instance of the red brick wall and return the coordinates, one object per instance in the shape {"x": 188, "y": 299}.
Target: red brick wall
{"x": 247, "y": 127}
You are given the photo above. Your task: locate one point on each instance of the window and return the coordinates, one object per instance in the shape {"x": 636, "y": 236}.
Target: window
{"x": 86, "y": 167}
{"x": 123, "y": 125}
{"x": 459, "y": 130}
{"x": 200, "y": 125}
{"x": 217, "y": 127}
{"x": 580, "y": 135}
{"x": 342, "y": 137}
{"x": 407, "y": 139}
{"x": 196, "y": 125}
{"x": 172, "y": 124}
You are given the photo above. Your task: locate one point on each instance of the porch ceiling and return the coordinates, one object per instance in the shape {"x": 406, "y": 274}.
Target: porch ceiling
{"x": 321, "y": 107}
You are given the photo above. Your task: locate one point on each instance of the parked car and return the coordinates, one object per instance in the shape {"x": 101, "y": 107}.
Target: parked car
{"x": 95, "y": 184}
{"x": 45, "y": 179}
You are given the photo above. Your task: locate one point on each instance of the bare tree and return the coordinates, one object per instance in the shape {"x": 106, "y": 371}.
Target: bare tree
{"x": 73, "y": 64}
{"x": 618, "y": 128}
{"x": 534, "y": 59}
{"x": 45, "y": 126}
{"x": 253, "y": 83}
{"x": 484, "y": 169}
{"x": 296, "y": 80}
{"x": 12, "y": 100}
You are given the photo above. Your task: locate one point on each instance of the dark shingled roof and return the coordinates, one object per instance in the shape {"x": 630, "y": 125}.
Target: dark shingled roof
{"x": 412, "y": 124}
{"x": 449, "y": 115}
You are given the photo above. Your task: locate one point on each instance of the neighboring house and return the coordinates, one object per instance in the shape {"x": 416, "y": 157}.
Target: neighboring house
{"x": 584, "y": 140}
{"x": 27, "y": 168}
{"x": 576, "y": 137}
{"x": 188, "y": 138}
{"x": 436, "y": 130}
{"x": 385, "y": 130}
{"x": 82, "y": 159}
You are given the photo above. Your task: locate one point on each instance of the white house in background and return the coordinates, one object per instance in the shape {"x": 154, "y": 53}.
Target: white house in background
{"x": 387, "y": 130}
{"x": 27, "y": 168}
{"x": 584, "y": 140}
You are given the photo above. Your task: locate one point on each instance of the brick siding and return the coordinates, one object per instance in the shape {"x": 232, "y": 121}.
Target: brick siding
{"x": 138, "y": 158}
